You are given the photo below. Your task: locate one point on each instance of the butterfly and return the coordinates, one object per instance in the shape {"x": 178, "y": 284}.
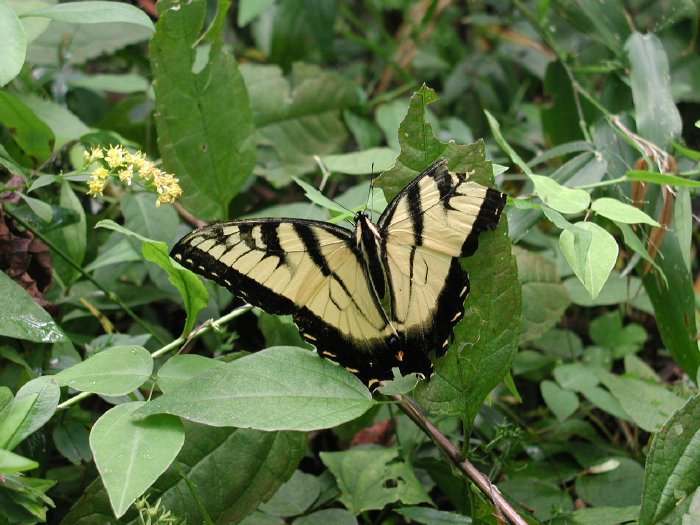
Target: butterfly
{"x": 384, "y": 295}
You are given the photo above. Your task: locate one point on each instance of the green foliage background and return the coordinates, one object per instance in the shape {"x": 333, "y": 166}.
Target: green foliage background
{"x": 572, "y": 381}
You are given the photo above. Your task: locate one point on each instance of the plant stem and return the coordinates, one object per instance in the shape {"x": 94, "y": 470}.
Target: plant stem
{"x": 196, "y": 333}
{"x": 452, "y": 454}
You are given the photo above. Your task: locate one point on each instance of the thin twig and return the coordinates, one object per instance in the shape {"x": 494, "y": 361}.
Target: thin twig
{"x": 413, "y": 411}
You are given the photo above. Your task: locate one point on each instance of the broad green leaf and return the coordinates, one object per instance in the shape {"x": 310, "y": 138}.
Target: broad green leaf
{"x": 270, "y": 459}
{"x": 575, "y": 376}
{"x": 32, "y": 407}
{"x": 662, "y": 178}
{"x": 618, "y": 211}
{"x": 649, "y": 405}
{"x": 674, "y": 305}
{"x": 626, "y": 477}
{"x": 428, "y": 516}
{"x": 540, "y": 496}
{"x": 656, "y": 114}
{"x": 389, "y": 117}
{"x": 131, "y": 453}
{"x": 560, "y": 116}
{"x": 296, "y": 119}
{"x": 373, "y": 160}
{"x": 295, "y": 497}
{"x": 607, "y": 24}
{"x": 72, "y": 238}
{"x": 180, "y": 369}
{"x": 13, "y": 45}
{"x": 582, "y": 237}
{"x": 94, "y": 12}
{"x": 605, "y": 515}
{"x": 112, "y": 372}
{"x": 544, "y": 297}
{"x": 326, "y": 516}
{"x": 279, "y": 388}
{"x": 370, "y": 479}
{"x": 86, "y": 41}
{"x": 558, "y": 197}
{"x": 73, "y": 441}
{"x": 121, "y": 252}
{"x": 42, "y": 209}
{"x": 64, "y": 124}
{"x": 22, "y": 318}
{"x": 605, "y": 401}
{"x": 142, "y": 216}
{"x": 420, "y": 148}
{"x": 607, "y": 330}
{"x": 192, "y": 291}
{"x": 28, "y": 130}
{"x": 600, "y": 257}
{"x": 11, "y": 462}
{"x": 672, "y": 470}
{"x": 250, "y": 9}
{"x": 126, "y": 83}
{"x": 205, "y": 129}
{"x": 693, "y": 513}
{"x": 561, "y": 402}
{"x": 617, "y": 289}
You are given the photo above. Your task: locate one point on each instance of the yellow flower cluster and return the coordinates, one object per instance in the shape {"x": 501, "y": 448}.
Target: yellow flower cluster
{"x": 118, "y": 161}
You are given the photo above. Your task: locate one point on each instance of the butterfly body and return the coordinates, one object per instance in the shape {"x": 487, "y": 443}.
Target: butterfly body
{"x": 382, "y": 296}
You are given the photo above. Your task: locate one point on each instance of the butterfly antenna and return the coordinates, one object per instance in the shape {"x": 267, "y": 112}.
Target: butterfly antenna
{"x": 370, "y": 195}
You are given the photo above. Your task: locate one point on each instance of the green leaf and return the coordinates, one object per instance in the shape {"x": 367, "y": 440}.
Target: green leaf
{"x": 126, "y": 83}
{"x": 11, "y": 462}
{"x": 370, "y": 479}
{"x": 617, "y": 289}
{"x": 205, "y": 129}
{"x": 131, "y": 454}
{"x": 31, "y": 409}
{"x": 42, "y": 209}
{"x": 626, "y": 478}
{"x": 605, "y": 515}
{"x": 112, "y": 372}
{"x": 22, "y": 318}
{"x": 428, "y": 516}
{"x": 269, "y": 459}
{"x": 542, "y": 497}
{"x": 661, "y": 178}
{"x": 576, "y": 377}
{"x": 600, "y": 257}
{"x": 558, "y": 197}
{"x": 373, "y": 160}
{"x": 648, "y": 405}
{"x": 419, "y": 147}
{"x": 251, "y": 9}
{"x": 13, "y": 45}
{"x": 64, "y": 124}
{"x": 28, "y": 130}
{"x": 501, "y": 141}
{"x": 295, "y": 497}
{"x": 672, "y": 471}
{"x": 674, "y": 305}
{"x": 191, "y": 288}
{"x": 325, "y": 516}
{"x": 319, "y": 198}
{"x": 607, "y": 330}
{"x": 72, "y": 441}
{"x": 561, "y": 402}
{"x": 633, "y": 242}
{"x": 604, "y": 400}
{"x": 544, "y": 297}
{"x": 277, "y": 388}
{"x": 656, "y": 114}
{"x": 180, "y": 369}
{"x": 296, "y": 119}
{"x": 71, "y": 238}
{"x": 618, "y": 211}
{"x": 94, "y": 12}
